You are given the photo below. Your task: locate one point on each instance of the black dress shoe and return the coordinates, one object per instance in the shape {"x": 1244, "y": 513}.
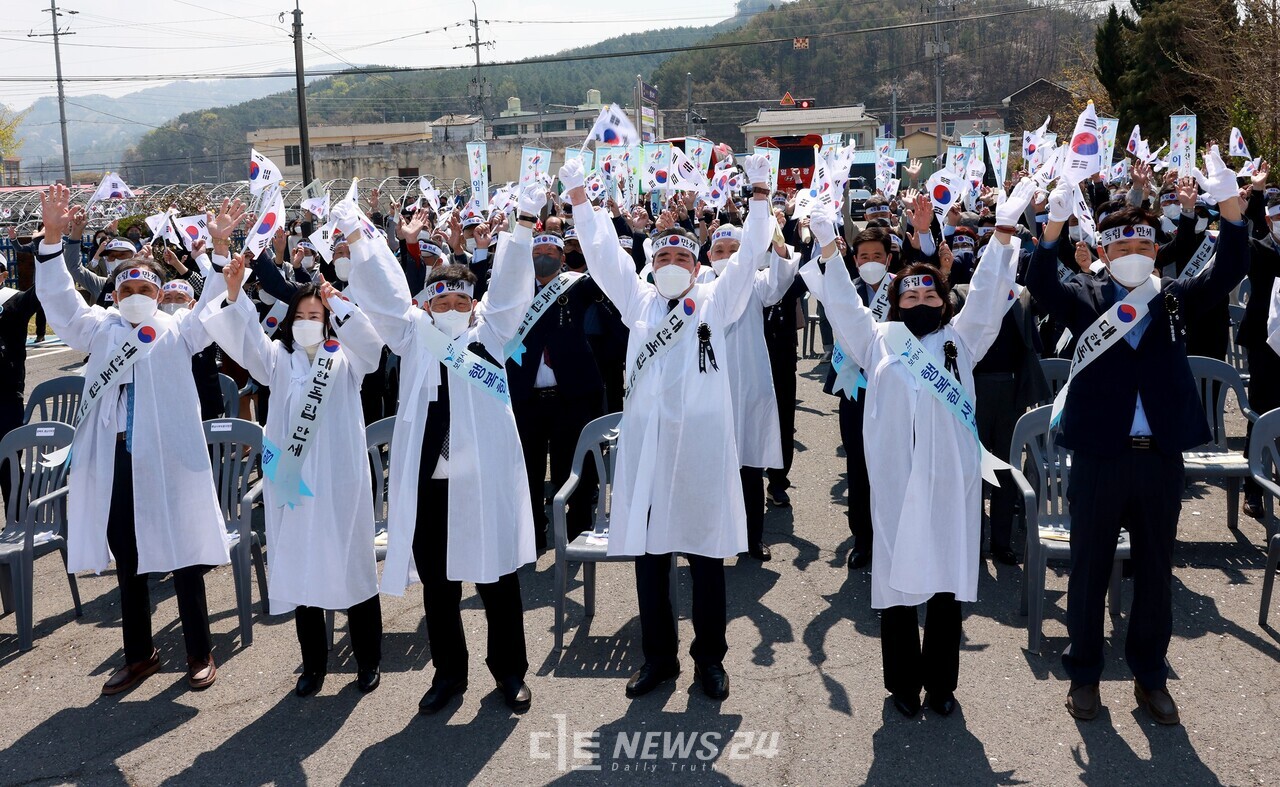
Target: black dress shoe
{"x": 309, "y": 683}
{"x": 907, "y": 704}
{"x": 941, "y": 704}
{"x": 516, "y": 694}
{"x": 1005, "y": 557}
{"x": 649, "y": 677}
{"x": 760, "y": 551}
{"x": 441, "y": 691}
{"x": 778, "y": 497}
{"x": 368, "y": 679}
{"x": 859, "y": 558}
{"x": 714, "y": 680}
{"x": 1253, "y": 507}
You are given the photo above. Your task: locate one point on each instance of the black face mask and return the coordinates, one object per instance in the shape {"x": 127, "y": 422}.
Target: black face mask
{"x": 545, "y": 265}
{"x": 574, "y": 260}
{"x": 922, "y": 320}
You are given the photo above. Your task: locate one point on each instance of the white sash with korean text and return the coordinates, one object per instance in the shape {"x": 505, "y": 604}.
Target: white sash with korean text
{"x": 1108, "y": 329}
{"x": 275, "y": 315}
{"x": 662, "y": 338}
{"x": 943, "y": 386}
{"x": 283, "y": 468}
{"x": 105, "y": 373}
{"x": 541, "y": 303}
{"x": 1201, "y": 259}
{"x": 469, "y": 367}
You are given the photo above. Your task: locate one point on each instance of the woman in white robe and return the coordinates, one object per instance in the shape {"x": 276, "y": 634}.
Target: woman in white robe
{"x": 923, "y": 462}
{"x": 320, "y": 544}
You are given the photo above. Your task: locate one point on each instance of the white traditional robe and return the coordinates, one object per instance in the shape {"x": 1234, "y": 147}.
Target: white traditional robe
{"x": 924, "y": 465}
{"x": 755, "y": 404}
{"x": 677, "y": 487}
{"x": 176, "y": 514}
{"x": 321, "y": 550}
{"x": 490, "y": 518}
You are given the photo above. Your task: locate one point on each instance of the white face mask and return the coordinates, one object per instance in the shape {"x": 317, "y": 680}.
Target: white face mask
{"x": 1201, "y": 225}
{"x": 452, "y": 323}
{"x": 1172, "y": 211}
{"x": 872, "y": 273}
{"x": 719, "y": 265}
{"x": 172, "y": 308}
{"x": 1073, "y": 233}
{"x": 342, "y": 267}
{"x": 308, "y": 333}
{"x": 308, "y": 262}
{"x": 266, "y": 297}
{"x": 1132, "y": 270}
{"x": 471, "y": 245}
{"x": 1275, "y": 231}
{"x": 672, "y": 281}
{"x": 137, "y": 308}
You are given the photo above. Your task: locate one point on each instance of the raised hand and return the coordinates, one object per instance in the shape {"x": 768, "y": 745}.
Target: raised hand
{"x": 945, "y": 258}
{"x": 229, "y": 216}
{"x": 55, "y": 210}
{"x": 410, "y": 229}
{"x": 79, "y": 220}
{"x": 1187, "y": 193}
{"x": 483, "y": 234}
{"x": 913, "y": 169}
{"x": 326, "y": 292}
{"x": 233, "y": 272}
{"x": 1259, "y": 177}
{"x": 1083, "y": 258}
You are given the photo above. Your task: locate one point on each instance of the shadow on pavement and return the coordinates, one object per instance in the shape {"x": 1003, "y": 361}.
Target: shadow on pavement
{"x": 930, "y": 749}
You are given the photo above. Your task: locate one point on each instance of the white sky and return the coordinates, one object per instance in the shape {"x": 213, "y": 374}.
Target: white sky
{"x": 157, "y": 37}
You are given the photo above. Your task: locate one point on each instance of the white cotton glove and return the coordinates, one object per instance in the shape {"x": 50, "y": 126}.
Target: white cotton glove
{"x": 1009, "y": 212}
{"x": 822, "y": 225}
{"x": 1220, "y": 181}
{"x": 532, "y": 198}
{"x": 1061, "y": 202}
{"x": 346, "y": 217}
{"x": 572, "y": 175}
{"x": 757, "y": 168}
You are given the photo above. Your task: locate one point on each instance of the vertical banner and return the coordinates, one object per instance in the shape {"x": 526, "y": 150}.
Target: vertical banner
{"x": 699, "y": 152}
{"x": 973, "y": 143}
{"x": 1107, "y": 128}
{"x": 1182, "y": 144}
{"x": 587, "y": 157}
{"x": 998, "y": 153}
{"x": 657, "y": 166}
{"x": 886, "y": 166}
{"x": 608, "y": 163}
{"x": 775, "y": 159}
{"x": 633, "y": 157}
{"x": 478, "y": 164}
{"x": 957, "y": 157}
{"x": 533, "y": 162}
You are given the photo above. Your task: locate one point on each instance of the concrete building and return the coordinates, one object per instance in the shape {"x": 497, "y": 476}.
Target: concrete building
{"x": 553, "y": 121}
{"x": 10, "y": 171}
{"x": 956, "y": 124}
{"x": 924, "y": 144}
{"x": 853, "y": 121}
{"x": 282, "y": 145}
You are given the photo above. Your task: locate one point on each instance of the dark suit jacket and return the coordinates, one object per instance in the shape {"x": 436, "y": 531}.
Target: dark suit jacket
{"x": 561, "y": 333}
{"x": 1099, "y": 410}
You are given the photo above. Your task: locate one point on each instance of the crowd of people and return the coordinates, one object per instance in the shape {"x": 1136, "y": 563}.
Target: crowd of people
{"x": 493, "y": 341}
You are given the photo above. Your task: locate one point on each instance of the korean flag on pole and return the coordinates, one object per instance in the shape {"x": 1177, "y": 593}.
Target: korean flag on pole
{"x": 111, "y": 187}
{"x": 192, "y": 229}
{"x": 262, "y": 172}
{"x": 945, "y": 187}
{"x": 613, "y": 127}
{"x": 1082, "y": 153}
{"x": 1238, "y": 148}
{"x": 430, "y": 197}
{"x": 271, "y": 217}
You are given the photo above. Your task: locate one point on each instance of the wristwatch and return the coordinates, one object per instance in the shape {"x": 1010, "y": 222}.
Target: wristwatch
{"x": 527, "y": 217}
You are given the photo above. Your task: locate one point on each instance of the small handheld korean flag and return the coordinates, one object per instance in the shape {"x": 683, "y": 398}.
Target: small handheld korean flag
{"x": 262, "y": 172}
{"x": 430, "y": 197}
{"x": 685, "y": 174}
{"x": 613, "y": 127}
{"x": 272, "y": 217}
{"x": 1082, "y": 153}
{"x": 192, "y": 229}
{"x": 1238, "y": 148}
{"x": 317, "y": 206}
{"x": 160, "y": 227}
{"x": 945, "y": 188}
{"x": 1135, "y": 140}
{"x": 111, "y": 187}
{"x": 820, "y": 194}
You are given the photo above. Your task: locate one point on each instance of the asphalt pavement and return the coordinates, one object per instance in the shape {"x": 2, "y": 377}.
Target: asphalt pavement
{"x": 807, "y": 704}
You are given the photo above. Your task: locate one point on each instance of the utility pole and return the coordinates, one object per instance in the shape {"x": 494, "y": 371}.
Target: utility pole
{"x": 639, "y": 102}
{"x": 688, "y": 105}
{"x": 478, "y": 86}
{"x": 62, "y": 101}
{"x": 937, "y": 49}
{"x": 893, "y": 111}
{"x": 304, "y": 136}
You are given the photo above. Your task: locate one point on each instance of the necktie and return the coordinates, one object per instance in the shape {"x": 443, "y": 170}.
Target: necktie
{"x": 128, "y": 426}
{"x": 442, "y": 394}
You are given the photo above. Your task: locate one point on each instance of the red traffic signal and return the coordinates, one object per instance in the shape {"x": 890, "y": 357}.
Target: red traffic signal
{"x": 805, "y": 103}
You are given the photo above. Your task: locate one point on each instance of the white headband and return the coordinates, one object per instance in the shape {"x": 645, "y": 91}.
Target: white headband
{"x": 1274, "y": 210}
{"x": 673, "y": 241}
{"x": 962, "y": 240}
{"x": 877, "y": 209}
{"x": 570, "y": 234}
{"x": 427, "y": 247}
{"x": 1131, "y": 232}
{"x": 914, "y": 282}
{"x": 179, "y": 286}
{"x": 136, "y": 274}
{"x": 729, "y": 232}
{"x": 626, "y": 242}
{"x": 471, "y": 221}
{"x": 554, "y": 240}
{"x": 444, "y": 286}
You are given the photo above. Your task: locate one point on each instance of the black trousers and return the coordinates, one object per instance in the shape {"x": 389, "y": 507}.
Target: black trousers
{"x": 998, "y": 414}
{"x": 1142, "y": 490}
{"x": 1264, "y": 393}
{"x": 550, "y": 421}
{"x": 135, "y": 594}
{"x": 365, "y": 621}
{"x": 753, "y": 500}
{"x": 658, "y": 636}
{"x": 782, "y": 363}
{"x": 442, "y": 596}
{"x": 855, "y": 460}
{"x": 907, "y": 666}
{"x": 10, "y": 419}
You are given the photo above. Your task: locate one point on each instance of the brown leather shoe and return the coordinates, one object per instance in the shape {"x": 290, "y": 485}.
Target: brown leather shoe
{"x": 1157, "y": 703}
{"x": 131, "y": 675}
{"x": 1083, "y": 701}
{"x": 201, "y": 673}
